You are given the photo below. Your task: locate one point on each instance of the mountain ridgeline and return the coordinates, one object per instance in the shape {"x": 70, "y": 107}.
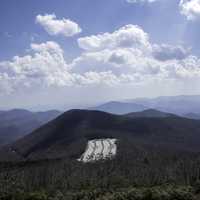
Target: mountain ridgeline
{"x": 17, "y": 123}
{"x": 186, "y": 106}
{"x": 150, "y": 113}
{"x": 67, "y": 135}
{"x": 119, "y": 108}
{"x": 153, "y": 148}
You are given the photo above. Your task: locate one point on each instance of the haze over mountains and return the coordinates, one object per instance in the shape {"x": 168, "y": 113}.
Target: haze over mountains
{"x": 67, "y": 135}
{"x": 119, "y": 107}
{"x": 98, "y": 70}
{"x": 17, "y": 123}
{"x": 150, "y": 113}
{"x": 175, "y": 104}
{"x": 75, "y": 149}
{"x": 187, "y": 106}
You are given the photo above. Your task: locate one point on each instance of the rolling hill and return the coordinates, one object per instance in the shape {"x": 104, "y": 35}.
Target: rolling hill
{"x": 67, "y": 135}
{"x": 138, "y": 151}
{"x": 150, "y": 113}
{"x": 17, "y": 123}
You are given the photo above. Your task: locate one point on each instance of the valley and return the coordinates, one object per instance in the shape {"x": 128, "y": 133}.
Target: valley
{"x": 99, "y": 100}
{"x": 16, "y": 123}
{"x": 84, "y": 150}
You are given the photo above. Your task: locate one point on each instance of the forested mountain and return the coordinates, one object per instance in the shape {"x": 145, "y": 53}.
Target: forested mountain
{"x": 67, "y": 135}
{"x": 151, "y": 151}
{"x": 150, "y": 113}
{"x": 17, "y": 123}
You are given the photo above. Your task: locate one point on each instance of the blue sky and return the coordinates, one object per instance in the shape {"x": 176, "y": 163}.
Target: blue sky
{"x": 88, "y": 50}
{"x": 162, "y": 20}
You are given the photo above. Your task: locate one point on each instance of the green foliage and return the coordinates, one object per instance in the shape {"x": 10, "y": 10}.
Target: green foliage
{"x": 25, "y": 196}
{"x": 197, "y": 187}
{"x": 154, "y": 193}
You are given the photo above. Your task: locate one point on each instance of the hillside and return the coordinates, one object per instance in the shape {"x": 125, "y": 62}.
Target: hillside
{"x": 192, "y": 116}
{"x": 150, "y": 113}
{"x": 17, "y": 123}
{"x": 145, "y": 151}
{"x": 67, "y": 135}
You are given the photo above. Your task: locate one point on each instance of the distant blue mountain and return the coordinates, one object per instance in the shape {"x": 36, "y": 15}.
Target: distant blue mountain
{"x": 180, "y": 105}
{"x": 17, "y": 123}
{"x": 120, "y": 108}
{"x": 150, "y": 113}
{"x": 186, "y": 106}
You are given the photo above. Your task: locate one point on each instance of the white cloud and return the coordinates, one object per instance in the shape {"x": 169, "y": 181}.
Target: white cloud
{"x": 43, "y": 67}
{"x": 127, "y": 36}
{"x": 55, "y": 26}
{"x": 169, "y": 52}
{"x": 141, "y": 1}
{"x": 128, "y": 51}
{"x": 125, "y": 56}
{"x": 190, "y": 8}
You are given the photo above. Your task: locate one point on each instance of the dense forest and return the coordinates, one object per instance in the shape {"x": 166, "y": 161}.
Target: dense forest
{"x": 151, "y": 173}
{"x": 157, "y": 158}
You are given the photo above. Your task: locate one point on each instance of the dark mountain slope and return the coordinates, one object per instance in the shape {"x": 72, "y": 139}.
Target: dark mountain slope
{"x": 115, "y": 107}
{"x": 67, "y": 135}
{"x": 18, "y": 123}
{"x": 150, "y": 113}
{"x": 192, "y": 116}
{"x": 150, "y": 151}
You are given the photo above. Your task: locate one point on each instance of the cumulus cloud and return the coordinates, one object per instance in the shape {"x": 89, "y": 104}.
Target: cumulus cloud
{"x": 55, "y": 26}
{"x": 169, "y": 52}
{"x": 128, "y": 51}
{"x": 190, "y": 8}
{"x": 125, "y": 56}
{"x": 43, "y": 67}
{"x": 127, "y": 36}
{"x": 141, "y": 1}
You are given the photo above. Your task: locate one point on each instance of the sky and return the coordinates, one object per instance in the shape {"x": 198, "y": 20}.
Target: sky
{"x": 67, "y": 54}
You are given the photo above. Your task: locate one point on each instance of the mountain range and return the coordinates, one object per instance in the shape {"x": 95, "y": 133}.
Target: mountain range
{"x": 186, "y": 106}
{"x": 120, "y": 108}
{"x": 67, "y": 135}
{"x": 150, "y": 113}
{"x": 180, "y": 105}
{"x": 147, "y": 148}
{"x": 17, "y": 123}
